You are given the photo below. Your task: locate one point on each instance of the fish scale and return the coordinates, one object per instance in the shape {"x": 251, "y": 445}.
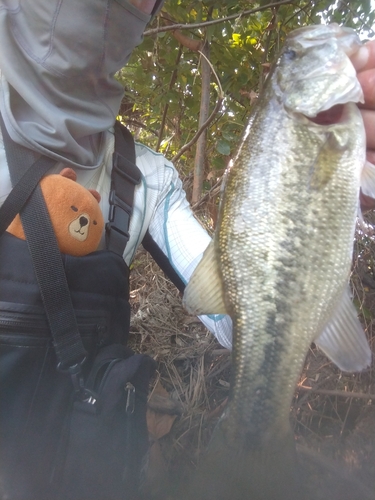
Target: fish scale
{"x": 280, "y": 260}
{"x": 286, "y": 222}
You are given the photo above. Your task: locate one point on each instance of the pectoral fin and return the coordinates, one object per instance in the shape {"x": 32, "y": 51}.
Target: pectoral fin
{"x": 343, "y": 339}
{"x": 204, "y": 293}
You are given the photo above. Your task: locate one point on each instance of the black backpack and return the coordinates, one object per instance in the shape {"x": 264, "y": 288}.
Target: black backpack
{"x": 72, "y": 396}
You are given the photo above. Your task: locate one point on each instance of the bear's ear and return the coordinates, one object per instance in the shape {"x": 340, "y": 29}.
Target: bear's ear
{"x": 95, "y": 194}
{"x": 69, "y": 173}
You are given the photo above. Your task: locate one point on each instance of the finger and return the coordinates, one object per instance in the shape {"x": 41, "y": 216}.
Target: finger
{"x": 370, "y": 156}
{"x": 369, "y": 122}
{"x": 366, "y": 202}
{"x": 367, "y": 81}
{"x": 364, "y": 58}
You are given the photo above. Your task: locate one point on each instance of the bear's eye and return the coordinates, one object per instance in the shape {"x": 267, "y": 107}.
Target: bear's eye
{"x": 75, "y": 209}
{"x": 94, "y": 222}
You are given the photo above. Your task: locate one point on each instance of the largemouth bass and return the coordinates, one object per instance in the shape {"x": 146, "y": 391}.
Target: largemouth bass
{"x": 280, "y": 259}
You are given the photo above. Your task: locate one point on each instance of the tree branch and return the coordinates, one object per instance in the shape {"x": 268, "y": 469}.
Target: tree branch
{"x": 171, "y": 85}
{"x": 174, "y": 27}
{"x": 200, "y": 152}
{"x": 202, "y": 129}
{"x": 189, "y": 43}
{"x": 209, "y": 119}
{"x": 214, "y": 191}
{"x": 342, "y": 394}
{"x": 137, "y": 124}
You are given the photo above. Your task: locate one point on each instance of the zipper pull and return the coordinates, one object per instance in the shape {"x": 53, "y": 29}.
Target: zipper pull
{"x": 130, "y": 397}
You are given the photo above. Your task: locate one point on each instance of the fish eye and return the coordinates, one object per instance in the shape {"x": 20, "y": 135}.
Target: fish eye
{"x": 290, "y": 54}
{"x": 75, "y": 209}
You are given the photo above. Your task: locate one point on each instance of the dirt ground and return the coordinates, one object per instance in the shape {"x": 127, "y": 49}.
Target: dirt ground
{"x": 332, "y": 414}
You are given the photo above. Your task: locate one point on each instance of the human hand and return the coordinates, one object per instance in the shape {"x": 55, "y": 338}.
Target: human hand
{"x": 364, "y": 63}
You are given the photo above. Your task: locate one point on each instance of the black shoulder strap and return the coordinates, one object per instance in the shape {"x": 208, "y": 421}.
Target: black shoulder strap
{"x": 45, "y": 254}
{"x": 23, "y": 179}
{"x": 162, "y": 260}
{"x": 125, "y": 176}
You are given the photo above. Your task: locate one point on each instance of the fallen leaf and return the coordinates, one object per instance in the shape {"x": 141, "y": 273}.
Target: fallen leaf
{"x": 162, "y": 404}
{"x": 156, "y": 471}
{"x": 160, "y": 423}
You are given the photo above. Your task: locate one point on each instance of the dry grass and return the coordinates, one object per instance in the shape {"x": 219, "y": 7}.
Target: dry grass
{"x": 333, "y": 413}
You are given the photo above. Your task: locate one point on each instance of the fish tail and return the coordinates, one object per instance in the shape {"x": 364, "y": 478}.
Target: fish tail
{"x": 266, "y": 473}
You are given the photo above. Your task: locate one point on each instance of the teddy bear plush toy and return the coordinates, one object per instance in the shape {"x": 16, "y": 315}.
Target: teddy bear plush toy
{"x": 74, "y": 211}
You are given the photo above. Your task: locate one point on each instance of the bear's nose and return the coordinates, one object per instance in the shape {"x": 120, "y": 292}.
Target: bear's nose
{"x": 83, "y": 221}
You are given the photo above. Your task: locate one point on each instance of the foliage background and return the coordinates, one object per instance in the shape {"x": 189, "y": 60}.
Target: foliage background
{"x": 163, "y": 80}
{"x": 333, "y": 414}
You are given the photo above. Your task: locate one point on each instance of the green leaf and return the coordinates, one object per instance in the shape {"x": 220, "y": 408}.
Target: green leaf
{"x": 238, "y": 47}
{"x": 223, "y": 147}
{"x": 231, "y": 135}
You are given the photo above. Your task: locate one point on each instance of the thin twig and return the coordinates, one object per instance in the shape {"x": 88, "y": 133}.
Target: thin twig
{"x": 214, "y": 191}
{"x": 138, "y": 124}
{"x": 343, "y": 394}
{"x": 219, "y": 370}
{"x": 170, "y": 87}
{"x": 203, "y": 127}
{"x": 209, "y": 119}
{"x": 214, "y": 21}
{"x": 221, "y": 93}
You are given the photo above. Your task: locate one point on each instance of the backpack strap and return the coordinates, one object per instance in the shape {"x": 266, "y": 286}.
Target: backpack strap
{"x": 23, "y": 179}
{"x": 162, "y": 260}
{"x": 46, "y": 256}
{"x": 124, "y": 177}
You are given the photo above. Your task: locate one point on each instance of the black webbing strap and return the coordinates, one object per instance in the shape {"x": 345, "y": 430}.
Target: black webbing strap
{"x": 125, "y": 176}
{"x": 23, "y": 179}
{"x": 54, "y": 289}
{"x": 46, "y": 257}
{"x": 162, "y": 261}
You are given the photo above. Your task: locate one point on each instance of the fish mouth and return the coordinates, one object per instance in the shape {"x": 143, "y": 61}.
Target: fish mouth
{"x": 329, "y": 116}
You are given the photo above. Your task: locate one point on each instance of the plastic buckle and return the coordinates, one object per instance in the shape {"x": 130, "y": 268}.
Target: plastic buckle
{"x": 75, "y": 374}
{"x": 89, "y": 397}
{"x": 72, "y": 370}
{"x": 119, "y": 215}
{"x": 126, "y": 169}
